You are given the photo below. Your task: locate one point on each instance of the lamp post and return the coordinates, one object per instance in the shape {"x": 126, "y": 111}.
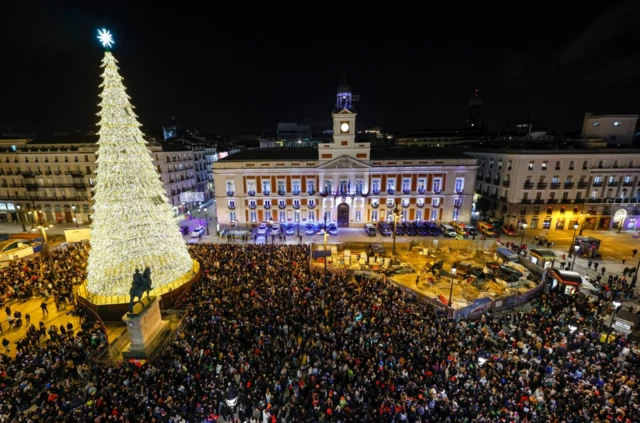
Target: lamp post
{"x": 575, "y": 254}
{"x": 43, "y": 228}
{"x": 325, "y": 246}
{"x": 453, "y": 274}
{"x": 206, "y": 219}
{"x": 395, "y": 222}
{"x": 634, "y": 280}
{"x": 524, "y": 227}
{"x": 21, "y": 218}
{"x": 75, "y": 219}
{"x": 616, "y": 306}
{"x": 583, "y": 222}
{"x": 573, "y": 241}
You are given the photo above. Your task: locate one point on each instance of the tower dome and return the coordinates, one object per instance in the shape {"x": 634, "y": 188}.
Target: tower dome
{"x": 344, "y": 95}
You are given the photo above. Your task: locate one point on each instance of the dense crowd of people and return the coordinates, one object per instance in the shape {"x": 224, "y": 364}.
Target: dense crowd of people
{"x": 283, "y": 344}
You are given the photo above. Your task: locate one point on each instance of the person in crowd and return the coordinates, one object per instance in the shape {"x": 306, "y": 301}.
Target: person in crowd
{"x": 266, "y": 339}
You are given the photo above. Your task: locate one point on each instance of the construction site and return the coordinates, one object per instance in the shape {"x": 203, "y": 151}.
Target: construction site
{"x": 481, "y": 271}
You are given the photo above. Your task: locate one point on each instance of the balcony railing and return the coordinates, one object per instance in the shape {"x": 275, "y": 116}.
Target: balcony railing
{"x": 311, "y": 205}
{"x": 538, "y": 201}
{"x": 282, "y": 192}
{"x": 598, "y": 184}
{"x": 582, "y": 185}
{"x": 252, "y": 206}
{"x": 311, "y": 192}
{"x": 552, "y": 201}
{"x": 627, "y": 184}
{"x": 267, "y": 192}
{"x": 296, "y": 205}
{"x": 568, "y": 185}
{"x": 421, "y": 190}
{"x": 231, "y": 206}
{"x": 282, "y": 206}
{"x": 554, "y": 185}
{"x": 579, "y": 201}
{"x": 267, "y": 205}
{"x": 528, "y": 185}
{"x": 613, "y": 184}
{"x": 230, "y": 193}
{"x": 406, "y": 190}
{"x": 542, "y": 185}
{"x": 296, "y": 192}
{"x": 375, "y": 191}
{"x": 506, "y": 184}
{"x": 525, "y": 201}
{"x": 391, "y": 191}
{"x": 251, "y": 193}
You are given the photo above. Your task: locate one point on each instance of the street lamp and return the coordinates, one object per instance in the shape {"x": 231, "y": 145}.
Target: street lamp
{"x": 573, "y": 241}
{"x": 206, "y": 219}
{"x": 575, "y": 254}
{"x": 41, "y": 225}
{"x": 524, "y": 227}
{"x": 395, "y": 222}
{"x": 325, "y": 246}
{"x": 21, "y": 218}
{"x": 453, "y": 274}
{"x": 73, "y": 209}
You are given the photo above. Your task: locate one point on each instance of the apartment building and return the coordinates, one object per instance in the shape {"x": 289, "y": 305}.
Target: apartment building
{"x": 555, "y": 189}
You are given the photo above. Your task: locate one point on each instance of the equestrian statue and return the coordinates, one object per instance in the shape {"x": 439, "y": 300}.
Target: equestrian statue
{"x": 141, "y": 284}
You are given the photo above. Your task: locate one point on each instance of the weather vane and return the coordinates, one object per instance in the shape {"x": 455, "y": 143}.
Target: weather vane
{"x": 105, "y": 38}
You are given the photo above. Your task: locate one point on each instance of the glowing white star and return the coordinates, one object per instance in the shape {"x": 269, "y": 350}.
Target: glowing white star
{"x": 105, "y": 38}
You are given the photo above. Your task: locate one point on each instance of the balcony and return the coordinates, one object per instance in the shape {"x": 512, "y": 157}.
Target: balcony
{"x": 391, "y": 191}
{"x": 267, "y": 206}
{"x": 251, "y": 193}
{"x": 627, "y": 184}
{"x": 595, "y": 200}
{"x": 230, "y": 193}
{"x": 541, "y": 185}
{"x": 494, "y": 196}
{"x": 296, "y": 205}
{"x": 406, "y": 191}
{"x": 554, "y": 185}
{"x": 375, "y": 191}
{"x": 538, "y": 201}
{"x": 266, "y": 193}
{"x": 282, "y": 192}
{"x": 311, "y": 205}
{"x": 76, "y": 173}
{"x": 252, "y": 205}
{"x": 579, "y": 201}
{"x": 296, "y": 192}
{"x": 311, "y": 192}
{"x": 525, "y": 201}
{"x": 231, "y": 206}
{"x": 528, "y": 185}
{"x": 506, "y": 184}
{"x": 324, "y": 193}
{"x": 496, "y": 181}
{"x": 613, "y": 184}
{"x": 282, "y": 205}
{"x": 487, "y": 179}
{"x": 582, "y": 185}
{"x": 552, "y": 201}
{"x": 568, "y": 185}
{"x": 435, "y": 205}
{"x": 32, "y": 187}
{"x": 375, "y": 205}
{"x": 598, "y": 184}
{"x": 421, "y": 190}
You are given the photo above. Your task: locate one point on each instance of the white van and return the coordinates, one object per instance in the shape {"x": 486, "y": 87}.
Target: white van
{"x": 448, "y": 231}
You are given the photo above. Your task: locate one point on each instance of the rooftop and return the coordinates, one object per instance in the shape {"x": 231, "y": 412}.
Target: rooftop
{"x": 65, "y": 139}
{"x": 269, "y": 154}
{"x": 390, "y": 153}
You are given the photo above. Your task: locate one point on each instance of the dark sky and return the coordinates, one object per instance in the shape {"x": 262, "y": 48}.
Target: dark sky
{"x": 246, "y": 68}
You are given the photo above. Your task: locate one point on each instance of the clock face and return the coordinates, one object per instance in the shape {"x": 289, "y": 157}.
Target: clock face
{"x": 344, "y": 127}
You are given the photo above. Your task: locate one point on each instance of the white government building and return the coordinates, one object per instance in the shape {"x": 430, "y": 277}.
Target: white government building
{"x": 347, "y": 181}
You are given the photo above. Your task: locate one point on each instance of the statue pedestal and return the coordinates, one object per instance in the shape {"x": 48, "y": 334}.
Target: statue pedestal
{"x": 144, "y": 326}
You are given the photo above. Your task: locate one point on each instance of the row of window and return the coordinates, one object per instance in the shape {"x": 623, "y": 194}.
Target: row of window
{"x": 558, "y": 164}
{"x": 345, "y": 185}
{"x": 311, "y": 215}
{"x": 435, "y": 202}
{"x": 46, "y": 159}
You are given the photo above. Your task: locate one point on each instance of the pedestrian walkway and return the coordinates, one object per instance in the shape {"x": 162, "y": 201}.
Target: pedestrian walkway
{"x": 32, "y": 307}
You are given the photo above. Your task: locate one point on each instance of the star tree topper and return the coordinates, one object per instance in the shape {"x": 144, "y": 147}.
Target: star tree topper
{"x": 105, "y": 38}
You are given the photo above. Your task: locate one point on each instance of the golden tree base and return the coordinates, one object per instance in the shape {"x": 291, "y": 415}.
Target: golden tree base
{"x": 112, "y": 307}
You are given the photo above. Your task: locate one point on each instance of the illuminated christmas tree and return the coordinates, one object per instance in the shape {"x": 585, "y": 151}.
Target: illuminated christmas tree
{"x": 133, "y": 225}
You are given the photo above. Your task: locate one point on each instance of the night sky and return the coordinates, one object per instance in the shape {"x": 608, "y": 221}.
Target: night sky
{"x": 246, "y": 68}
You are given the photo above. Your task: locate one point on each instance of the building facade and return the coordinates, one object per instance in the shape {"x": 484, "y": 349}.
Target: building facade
{"x": 346, "y": 181}
{"x": 599, "y": 189}
{"x": 613, "y": 129}
{"x": 55, "y": 175}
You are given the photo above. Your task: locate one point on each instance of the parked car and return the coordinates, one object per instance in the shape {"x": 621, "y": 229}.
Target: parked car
{"x": 472, "y": 231}
{"x": 448, "y": 231}
{"x": 433, "y": 229}
{"x": 275, "y": 228}
{"x": 384, "y": 228}
{"x": 370, "y": 229}
{"x": 399, "y": 229}
{"x": 310, "y": 229}
{"x": 421, "y": 228}
{"x": 409, "y": 229}
{"x": 263, "y": 228}
{"x": 332, "y": 228}
{"x": 290, "y": 229}
{"x": 198, "y": 231}
{"x": 509, "y": 231}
